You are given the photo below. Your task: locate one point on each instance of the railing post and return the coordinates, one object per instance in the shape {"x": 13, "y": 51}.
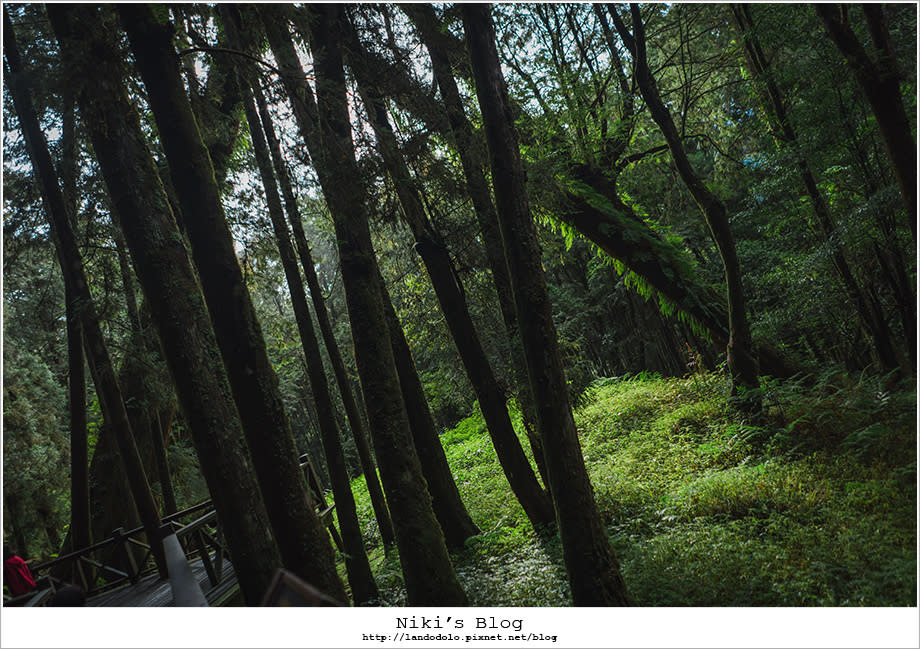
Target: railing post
{"x": 218, "y": 550}
{"x": 205, "y": 556}
{"x": 121, "y": 542}
{"x": 81, "y": 574}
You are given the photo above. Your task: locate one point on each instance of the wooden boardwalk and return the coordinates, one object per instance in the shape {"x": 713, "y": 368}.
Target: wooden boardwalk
{"x": 154, "y": 591}
{"x": 196, "y": 553}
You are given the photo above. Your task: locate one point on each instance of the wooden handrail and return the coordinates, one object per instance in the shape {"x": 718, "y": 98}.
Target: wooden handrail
{"x": 185, "y": 512}
{"x": 192, "y": 531}
{"x": 198, "y": 522}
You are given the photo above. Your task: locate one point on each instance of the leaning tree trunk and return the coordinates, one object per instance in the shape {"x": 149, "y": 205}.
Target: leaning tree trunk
{"x": 349, "y": 399}
{"x": 429, "y": 574}
{"x": 455, "y": 521}
{"x": 592, "y": 568}
{"x": 304, "y": 545}
{"x": 172, "y": 291}
{"x": 147, "y": 386}
{"x": 76, "y": 369}
{"x": 449, "y": 509}
{"x": 742, "y": 359}
{"x": 363, "y": 586}
{"x": 100, "y": 363}
{"x": 472, "y": 158}
{"x": 436, "y": 258}
{"x": 881, "y": 83}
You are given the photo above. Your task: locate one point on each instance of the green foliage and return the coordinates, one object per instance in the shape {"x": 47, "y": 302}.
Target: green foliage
{"x": 36, "y": 455}
{"x": 706, "y": 511}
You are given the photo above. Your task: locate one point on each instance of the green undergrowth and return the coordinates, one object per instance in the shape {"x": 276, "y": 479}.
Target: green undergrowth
{"x": 814, "y": 507}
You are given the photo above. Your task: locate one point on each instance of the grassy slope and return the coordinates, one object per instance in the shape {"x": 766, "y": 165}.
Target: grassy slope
{"x": 816, "y": 508}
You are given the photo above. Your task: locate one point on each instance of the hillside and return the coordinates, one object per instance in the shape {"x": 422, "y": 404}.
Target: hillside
{"x": 815, "y": 508}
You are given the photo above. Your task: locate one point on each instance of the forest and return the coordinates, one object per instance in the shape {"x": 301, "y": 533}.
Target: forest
{"x": 464, "y": 304}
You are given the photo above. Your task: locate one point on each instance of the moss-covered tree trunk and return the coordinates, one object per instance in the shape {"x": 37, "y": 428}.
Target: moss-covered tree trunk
{"x": 449, "y": 292}
{"x": 449, "y": 509}
{"x": 363, "y": 587}
{"x": 304, "y": 545}
{"x": 592, "y": 568}
{"x": 427, "y": 569}
{"x": 76, "y": 366}
{"x": 100, "y": 363}
{"x": 172, "y": 290}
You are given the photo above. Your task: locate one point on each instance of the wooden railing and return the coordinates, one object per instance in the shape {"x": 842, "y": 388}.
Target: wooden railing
{"x": 95, "y": 576}
{"x": 200, "y": 538}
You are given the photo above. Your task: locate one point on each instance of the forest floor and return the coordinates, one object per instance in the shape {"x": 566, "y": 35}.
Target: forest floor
{"x": 817, "y": 507}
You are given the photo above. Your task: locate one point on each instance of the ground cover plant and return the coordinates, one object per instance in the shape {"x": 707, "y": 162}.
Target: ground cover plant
{"x": 816, "y": 507}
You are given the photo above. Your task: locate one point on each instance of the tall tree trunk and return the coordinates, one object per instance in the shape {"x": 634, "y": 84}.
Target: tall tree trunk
{"x": 127, "y": 281}
{"x": 449, "y": 509}
{"x": 103, "y": 372}
{"x": 304, "y": 545}
{"x": 783, "y": 132}
{"x": 172, "y": 291}
{"x": 742, "y": 359}
{"x": 449, "y": 291}
{"x": 159, "y": 437}
{"x": 455, "y": 521}
{"x": 79, "y": 449}
{"x": 881, "y": 83}
{"x": 473, "y": 159}
{"x": 592, "y": 568}
{"x": 76, "y": 369}
{"x": 363, "y": 586}
{"x": 349, "y": 399}
{"x": 429, "y": 574}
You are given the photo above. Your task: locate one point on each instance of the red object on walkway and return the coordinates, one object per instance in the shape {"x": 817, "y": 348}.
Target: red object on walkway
{"x": 17, "y": 576}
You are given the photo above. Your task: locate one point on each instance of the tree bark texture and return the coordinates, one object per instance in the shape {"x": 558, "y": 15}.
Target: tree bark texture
{"x": 455, "y": 521}
{"x": 76, "y": 365}
{"x": 146, "y": 387}
{"x": 593, "y": 570}
{"x": 429, "y": 574}
{"x": 473, "y": 160}
{"x": 172, "y": 291}
{"x": 449, "y": 509}
{"x": 79, "y": 451}
{"x": 100, "y": 363}
{"x": 304, "y": 545}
